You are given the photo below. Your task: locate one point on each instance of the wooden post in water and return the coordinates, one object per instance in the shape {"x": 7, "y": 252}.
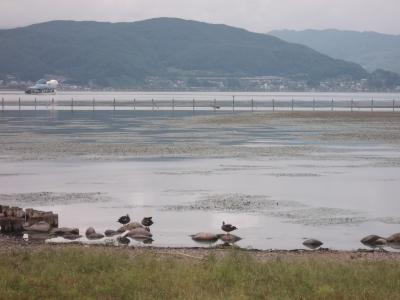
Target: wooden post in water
{"x": 215, "y": 105}
{"x": 93, "y": 101}
{"x": 114, "y": 103}
{"x": 332, "y": 105}
{"x": 2, "y": 104}
{"x": 273, "y": 104}
{"x": 233, "y": 103}
{"x": 372, "y": 104}
{"x": 134, "y": 103}
{"x": 152, "y": 103}
{"x": 352, "y": 103}
{"x": 193, "y": 105}
{"x": 72, "y": 104}
{"x": 292, "y": 104}
{"x": 35, "y": 103}
{"x": 252, "y": 105}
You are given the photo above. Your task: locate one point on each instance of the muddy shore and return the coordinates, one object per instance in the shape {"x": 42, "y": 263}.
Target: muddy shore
{"x": 10, "y": 244}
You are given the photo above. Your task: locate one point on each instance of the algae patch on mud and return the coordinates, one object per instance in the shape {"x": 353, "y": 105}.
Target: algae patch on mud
{"x": 49, "y": 198}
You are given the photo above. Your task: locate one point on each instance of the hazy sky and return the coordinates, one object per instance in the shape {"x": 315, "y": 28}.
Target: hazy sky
{"x": 254, "y": 15}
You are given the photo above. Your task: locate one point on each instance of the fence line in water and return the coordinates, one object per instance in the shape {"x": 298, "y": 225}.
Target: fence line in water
{"x": 233, "y": 104}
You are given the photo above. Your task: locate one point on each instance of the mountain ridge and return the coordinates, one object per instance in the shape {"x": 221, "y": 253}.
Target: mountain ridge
{"x": 126, "y": 53}
{"x": 372, "y": 50}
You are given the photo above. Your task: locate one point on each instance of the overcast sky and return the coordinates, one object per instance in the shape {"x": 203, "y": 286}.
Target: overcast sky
{"x": 254, "y": 15}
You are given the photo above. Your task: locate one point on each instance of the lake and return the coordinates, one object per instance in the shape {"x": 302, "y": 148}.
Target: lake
{"x": 279, "y": 177}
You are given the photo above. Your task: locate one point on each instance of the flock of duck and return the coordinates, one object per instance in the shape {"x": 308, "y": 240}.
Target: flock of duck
{"x": 140, "y": 231}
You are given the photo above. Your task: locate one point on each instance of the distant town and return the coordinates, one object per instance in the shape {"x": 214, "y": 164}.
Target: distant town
{"x": 215, "y": 83}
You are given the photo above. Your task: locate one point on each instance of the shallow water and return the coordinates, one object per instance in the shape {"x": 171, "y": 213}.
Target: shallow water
{"x": 338, "y": 194}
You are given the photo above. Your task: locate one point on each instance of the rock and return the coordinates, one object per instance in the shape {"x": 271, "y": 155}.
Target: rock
{"x": 41, "y": 226}
{"x": 110, "y": 232}
{"x": 90, "y": 231}
{"x": 373, "y": 240}
{"x": 123, "y": 240}
{"x": 130, "y": 226}
{"x": 205, "y": 237}
{"x": 229, "y": 238}
{"x": 312, "y": 243}
{"x": 94, "y": 236}
{"x": 138, "y": 233}
{"x": 71, "y": 236}
{"x": 91, "y": 234}
{"x": 394, "y": 238}
{"x": 64, "y": 231}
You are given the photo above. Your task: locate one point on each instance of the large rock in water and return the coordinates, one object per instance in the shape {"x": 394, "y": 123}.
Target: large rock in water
{"x": 394, "y": 238}
{"x": 205, "y": 237}
{"x": 139, "y": 233}
{"x": 313, "y": 243}
{"x": 229, "y": 238}
{"x": 130, "y": 226}
{"x": 373, "y": 240}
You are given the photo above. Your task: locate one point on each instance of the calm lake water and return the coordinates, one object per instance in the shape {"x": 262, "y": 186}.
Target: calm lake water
{"x": 338, "y": 194}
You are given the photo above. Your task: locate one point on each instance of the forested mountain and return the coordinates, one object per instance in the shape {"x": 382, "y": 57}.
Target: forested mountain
{"x": 125, "y": 54}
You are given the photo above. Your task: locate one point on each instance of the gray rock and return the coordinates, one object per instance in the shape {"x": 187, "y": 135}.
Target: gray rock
{"x": 130, "y": 226}
{"x": 373, "y": 240}
{"x": 204, "y": 237}
{"x": 229, "y": 238}
{"x": 41, "y": 226}
{"x": 313, "y": 243}
{"x": 91, "y": 234}
{"x": 94, "y": 236}
{"x": 394, "y": 238}
{"x": 90, "y": 231}
{"x": 71, "y": 237}
{"x": 64, "y": 231}
{"x": 110, "y": 232}
{"x": 139, "y": 233}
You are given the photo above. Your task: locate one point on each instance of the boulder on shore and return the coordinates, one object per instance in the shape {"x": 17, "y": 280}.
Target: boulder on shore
{"x": 205, "y": 237}
{"x": 139, "y": 233}
{"x": 313, "y": 243}
{"x": 130, "y": 226}
{"x": 373, "y": 240}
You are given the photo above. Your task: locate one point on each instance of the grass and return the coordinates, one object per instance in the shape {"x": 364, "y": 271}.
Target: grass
{"x": 92, "y": 273}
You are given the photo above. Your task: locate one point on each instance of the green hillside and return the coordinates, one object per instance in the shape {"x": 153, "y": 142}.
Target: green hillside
{"x": 125, "y": 54}
{"x": 369, "y": 49}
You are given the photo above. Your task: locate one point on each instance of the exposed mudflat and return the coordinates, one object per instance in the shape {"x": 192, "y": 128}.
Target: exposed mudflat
{"x": 49, "y": 198}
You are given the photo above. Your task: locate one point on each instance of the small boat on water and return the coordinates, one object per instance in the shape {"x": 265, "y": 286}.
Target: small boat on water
{"x": 43, "y": 86}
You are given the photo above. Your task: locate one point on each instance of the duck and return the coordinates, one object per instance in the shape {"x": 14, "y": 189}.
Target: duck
{"x": 228, "y": 227}
{"x": 124, "y": 220}
{"x": 147, "y": 221}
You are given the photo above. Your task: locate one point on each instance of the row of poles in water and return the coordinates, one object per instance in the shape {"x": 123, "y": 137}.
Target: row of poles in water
{"x": 274, "y": 104}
